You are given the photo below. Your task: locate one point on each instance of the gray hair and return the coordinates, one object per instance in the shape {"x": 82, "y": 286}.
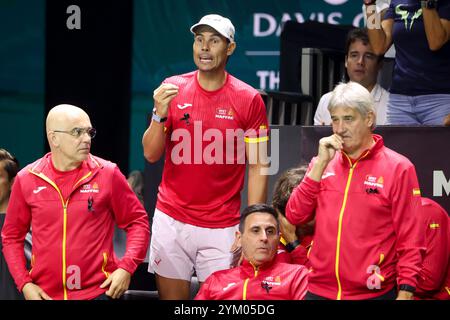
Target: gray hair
{"x": 355, "y": 96}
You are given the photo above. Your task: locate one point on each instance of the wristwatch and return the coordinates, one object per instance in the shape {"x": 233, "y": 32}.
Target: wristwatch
{"x": 157, "y": 118}
{"x": 292, "y": 245}
{"x": 429, "y": 4}
{"x": 369, "y": 2}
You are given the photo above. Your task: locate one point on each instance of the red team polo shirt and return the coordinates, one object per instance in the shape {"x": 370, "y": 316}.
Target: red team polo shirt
{"x": 205, "y": 150}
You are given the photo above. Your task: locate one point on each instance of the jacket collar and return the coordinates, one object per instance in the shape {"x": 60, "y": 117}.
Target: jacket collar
{"x": 367, "y": 154}
{"x": 252, "y": 271}
{"x": 43, "y": 165}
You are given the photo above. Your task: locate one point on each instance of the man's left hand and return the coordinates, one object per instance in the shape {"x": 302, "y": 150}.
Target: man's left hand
{"x": 118, "y": 283}
{"x": 405, "y": 295}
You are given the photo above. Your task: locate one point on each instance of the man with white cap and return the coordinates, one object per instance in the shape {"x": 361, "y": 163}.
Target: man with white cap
{"x": 208, "y": 123}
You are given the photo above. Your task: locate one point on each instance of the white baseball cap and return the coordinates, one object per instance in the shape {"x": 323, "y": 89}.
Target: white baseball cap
{"x": 221, "y": 24}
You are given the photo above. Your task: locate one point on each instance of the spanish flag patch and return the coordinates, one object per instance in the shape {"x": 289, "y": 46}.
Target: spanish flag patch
{"x": 416, "y": 192}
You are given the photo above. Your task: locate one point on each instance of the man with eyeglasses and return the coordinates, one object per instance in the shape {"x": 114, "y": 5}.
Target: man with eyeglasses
{"x": 72, "y": 200}
{"x": 362, "y": 66}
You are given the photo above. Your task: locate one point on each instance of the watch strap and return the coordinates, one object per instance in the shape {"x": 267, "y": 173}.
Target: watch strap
{"x": 407, "y": 287}
{"x": 429, "y": 4}
{"x": 157, "y": 118}
{"x": 292, "y": 245}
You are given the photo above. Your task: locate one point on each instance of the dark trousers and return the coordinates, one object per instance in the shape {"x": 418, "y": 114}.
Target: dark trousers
{"x": 103, "y": 297}
{"x": 390, "y": 295}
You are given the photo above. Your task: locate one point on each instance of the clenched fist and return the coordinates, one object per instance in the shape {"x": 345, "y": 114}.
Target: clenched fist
{"x": 162, "y": 97}
{"x": 328, "y": 147}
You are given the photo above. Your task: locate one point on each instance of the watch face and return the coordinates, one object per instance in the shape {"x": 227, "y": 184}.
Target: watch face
{"x": 156, "y": 117}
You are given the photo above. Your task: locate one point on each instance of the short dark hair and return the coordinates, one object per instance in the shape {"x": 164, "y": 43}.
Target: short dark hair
{"x": 11, "y": 164}
{"x": 259, "y": 207}
{"x": 358, "y": 34}
{"x": 285, "y": 185}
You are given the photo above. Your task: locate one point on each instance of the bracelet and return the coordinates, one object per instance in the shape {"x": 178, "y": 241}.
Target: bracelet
{"x": 292, "y": 245}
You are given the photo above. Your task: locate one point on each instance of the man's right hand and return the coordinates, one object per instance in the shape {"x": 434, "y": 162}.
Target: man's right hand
{"x": 33, "y": 292}
{"x": 162, "y": 97}
{"x": 327, "y": 150}
{"x": 328, "y": 147}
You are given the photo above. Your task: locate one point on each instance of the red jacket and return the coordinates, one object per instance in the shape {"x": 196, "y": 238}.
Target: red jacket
{"x": 436, "y": 225}
{"x": 73, "y": 246}
{"x": 366, "y": 216}
{"x": 444, "y": 292}
{"x": 273, "y": 281}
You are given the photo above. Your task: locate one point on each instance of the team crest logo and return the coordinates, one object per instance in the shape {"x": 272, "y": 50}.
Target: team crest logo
{"x": 374, "y": 182}
{"x": 90, "y": 188}
{"x": 224, "y": 113}
{"x": 272, "y": 281}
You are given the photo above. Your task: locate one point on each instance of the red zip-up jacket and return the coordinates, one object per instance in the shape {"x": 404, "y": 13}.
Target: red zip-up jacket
{"x": 444, "y": 292}
{"x": 435, "y": 223}
{"x": 367, "y": 235}
{"x": 72, "y": 251}
{"x": 271, "y": 281}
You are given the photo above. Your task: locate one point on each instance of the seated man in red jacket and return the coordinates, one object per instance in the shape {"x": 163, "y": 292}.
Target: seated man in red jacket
{"x": 73, "y": 200}
{"x": 295, "y": 240}
{"x": 365, "y": 199}
{"x": 434, "y": 280}
{"x": 261, "y": 276}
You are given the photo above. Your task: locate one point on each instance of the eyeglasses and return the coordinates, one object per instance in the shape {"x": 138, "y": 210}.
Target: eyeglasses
{"x": 366, "y": 56}
{"x": 78, "y": 132}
